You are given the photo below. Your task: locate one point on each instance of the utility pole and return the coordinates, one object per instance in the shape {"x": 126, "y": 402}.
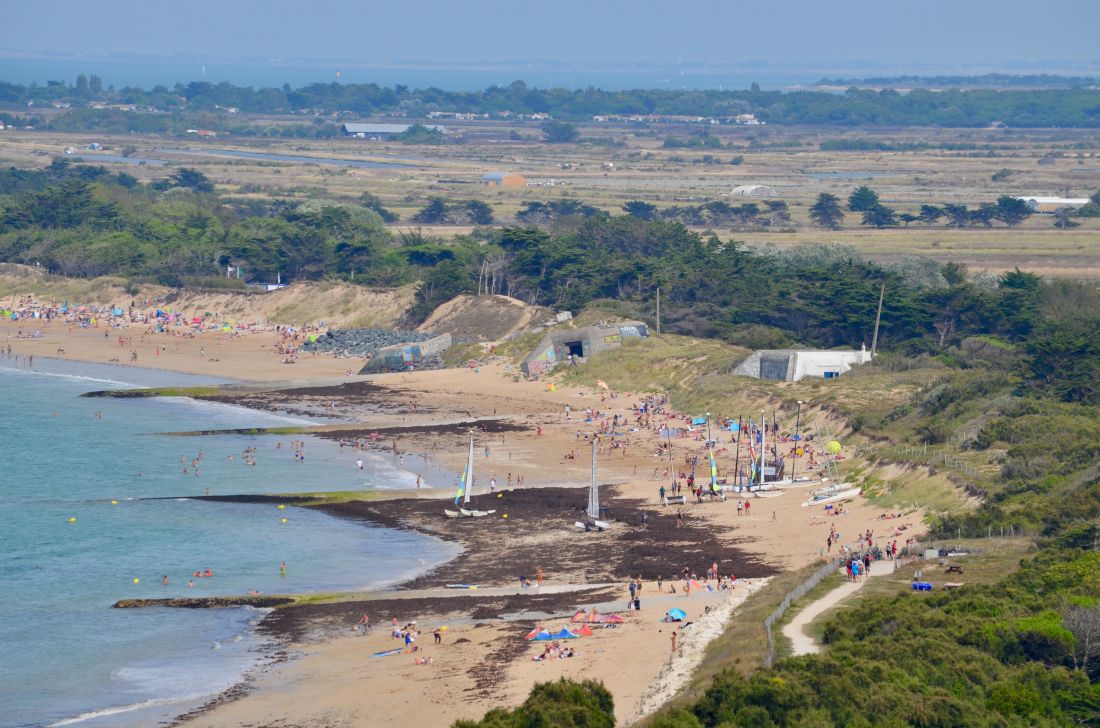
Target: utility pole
{"x": 658, "y": 311}
{"x": 878, "y": 318}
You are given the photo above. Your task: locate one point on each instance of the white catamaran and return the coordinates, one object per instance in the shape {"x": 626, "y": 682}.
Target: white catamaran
{"x": 465, "y": 486}
{"x": 835, "y": 491}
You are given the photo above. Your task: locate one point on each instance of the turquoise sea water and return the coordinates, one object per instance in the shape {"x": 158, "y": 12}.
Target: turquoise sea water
{"x": 66, "y": 658}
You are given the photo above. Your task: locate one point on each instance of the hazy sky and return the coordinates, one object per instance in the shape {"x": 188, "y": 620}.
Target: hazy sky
{"x": 942, "y": 32}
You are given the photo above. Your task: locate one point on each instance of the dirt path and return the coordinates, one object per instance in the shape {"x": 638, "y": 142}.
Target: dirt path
{"x": 795, "y": 630}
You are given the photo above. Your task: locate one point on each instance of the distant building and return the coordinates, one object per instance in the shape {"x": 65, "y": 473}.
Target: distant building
{"x": 503, "y": 179}
{"x": 558, "y": 346}
{"x": 791, "y": 365}
{"x": 752, "y": 191}
{"x": 381, "y": 132}
{"x": 1052, "y": 204}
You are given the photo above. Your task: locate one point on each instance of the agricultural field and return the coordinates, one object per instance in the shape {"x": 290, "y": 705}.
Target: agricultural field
{"x": 617, "y": 163}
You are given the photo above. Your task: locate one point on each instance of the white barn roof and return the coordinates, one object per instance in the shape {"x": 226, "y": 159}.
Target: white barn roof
{"x": 752, "y": 191}
{"x": 357, "y": 128}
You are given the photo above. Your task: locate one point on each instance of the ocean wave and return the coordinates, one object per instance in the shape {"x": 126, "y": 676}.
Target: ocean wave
{"x": 117, "y": 709}
{"x": 71, "y": 377}
{"x": 238, "y": 409}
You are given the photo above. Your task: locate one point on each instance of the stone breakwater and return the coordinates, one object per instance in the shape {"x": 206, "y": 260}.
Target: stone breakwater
{"x": 358, "y": 343}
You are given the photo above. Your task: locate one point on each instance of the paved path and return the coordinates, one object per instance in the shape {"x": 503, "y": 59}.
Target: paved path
{"x": 795, "y": 630}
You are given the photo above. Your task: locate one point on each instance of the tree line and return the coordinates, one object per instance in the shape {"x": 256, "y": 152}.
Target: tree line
{"x": 1064, "y": 107}
{"x": 827, "y": 212}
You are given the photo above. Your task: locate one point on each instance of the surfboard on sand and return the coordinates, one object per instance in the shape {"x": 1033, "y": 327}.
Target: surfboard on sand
{"x": 387, "y": 653}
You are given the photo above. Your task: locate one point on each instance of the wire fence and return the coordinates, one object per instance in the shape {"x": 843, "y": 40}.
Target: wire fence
{"x": 911, "y": 553}
{"x": 792, "y": 596}
{"x": 922, "y": 454}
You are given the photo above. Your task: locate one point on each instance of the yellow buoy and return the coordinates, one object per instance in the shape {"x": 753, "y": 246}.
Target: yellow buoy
{"x": 114, "y": 502}
{"x": 500, "y": 495}
{"x": 72, "y": 519}
{"x": 281, "y": 507}
{"x": 284, "y": 520}
{"x": 137, "y": 580}
{"x": 504, "y": 516}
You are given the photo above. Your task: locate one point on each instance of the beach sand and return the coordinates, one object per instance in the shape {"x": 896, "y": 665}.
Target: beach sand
{"x": 426, "y": 416}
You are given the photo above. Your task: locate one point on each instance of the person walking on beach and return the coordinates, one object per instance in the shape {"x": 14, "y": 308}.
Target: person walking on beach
{"x": 674, "y": 641}
{"x": 438, "y": 634}
{"x": 538, "y": 578}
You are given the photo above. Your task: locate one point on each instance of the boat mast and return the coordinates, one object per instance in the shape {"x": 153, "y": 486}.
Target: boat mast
{"x": 737, "y": 455}
{"x": 469, "y": 472}
{"x": 593, "y": 489}
{"x": 763, "y": 444}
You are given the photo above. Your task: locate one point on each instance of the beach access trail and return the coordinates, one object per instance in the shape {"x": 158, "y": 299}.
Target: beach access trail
{"x": 795, "y": 630}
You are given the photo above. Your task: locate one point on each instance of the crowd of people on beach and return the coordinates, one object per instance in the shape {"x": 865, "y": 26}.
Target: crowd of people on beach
{"x": 149, "y": 317}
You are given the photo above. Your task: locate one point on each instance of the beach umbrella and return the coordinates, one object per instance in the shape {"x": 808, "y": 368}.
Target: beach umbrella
{"x": 832, "y": 447}
{"x": 677, "y": 615}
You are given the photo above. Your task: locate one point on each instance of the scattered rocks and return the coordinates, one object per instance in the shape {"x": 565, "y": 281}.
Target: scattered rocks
{"x": 205, "y": 602}
{"x": 358, "y": 343}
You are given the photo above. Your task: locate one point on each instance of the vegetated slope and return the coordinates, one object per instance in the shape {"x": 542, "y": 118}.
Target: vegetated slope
{"x": 482, "y": 318}
{"x": 22, "y": 280}
{"x": 337, "y": 304}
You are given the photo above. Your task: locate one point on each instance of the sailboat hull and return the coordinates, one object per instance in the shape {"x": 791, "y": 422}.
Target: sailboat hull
{"x": 474, "y": 514}
{"x": 832, "y": 497}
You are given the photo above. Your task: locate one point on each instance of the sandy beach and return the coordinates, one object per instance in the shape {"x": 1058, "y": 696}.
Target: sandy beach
{"x": 524, "y": 438}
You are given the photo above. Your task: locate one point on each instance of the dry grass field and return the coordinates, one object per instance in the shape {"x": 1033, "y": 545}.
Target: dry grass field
{"x": 617, "y": 163}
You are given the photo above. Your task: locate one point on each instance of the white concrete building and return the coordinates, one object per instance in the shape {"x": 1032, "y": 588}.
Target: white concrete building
{"x": 791, "y": 365}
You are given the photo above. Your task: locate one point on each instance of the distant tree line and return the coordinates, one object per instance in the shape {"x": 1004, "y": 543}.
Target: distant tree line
{"x": 985, "y": 80}
{"x": 1010, "y": 210}
{"x": 1062, "y": 107}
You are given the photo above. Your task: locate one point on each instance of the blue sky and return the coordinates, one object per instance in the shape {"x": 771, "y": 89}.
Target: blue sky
{"x": 962, "y": 34}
